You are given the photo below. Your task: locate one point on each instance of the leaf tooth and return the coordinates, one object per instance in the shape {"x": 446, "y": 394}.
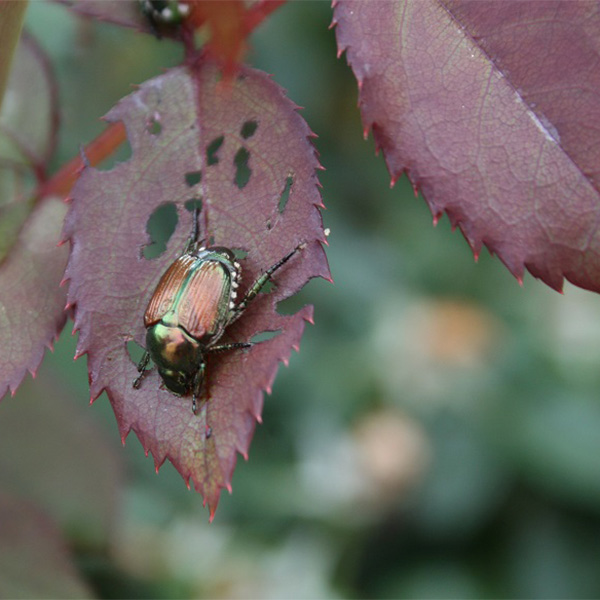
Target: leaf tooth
{"x": 13, "y": 388}
{"x": 95, "y": 394}
{"x": 124, "y": 436}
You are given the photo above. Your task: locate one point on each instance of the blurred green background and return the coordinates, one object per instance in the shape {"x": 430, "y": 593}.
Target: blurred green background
{"x": 437, "y": 436}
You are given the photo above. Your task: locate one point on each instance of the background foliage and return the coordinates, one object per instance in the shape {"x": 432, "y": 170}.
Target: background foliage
{"x": 436, "y": 436}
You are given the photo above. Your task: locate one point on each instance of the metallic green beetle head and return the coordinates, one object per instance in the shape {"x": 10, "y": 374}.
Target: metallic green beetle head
{"x": 177, "y": 356}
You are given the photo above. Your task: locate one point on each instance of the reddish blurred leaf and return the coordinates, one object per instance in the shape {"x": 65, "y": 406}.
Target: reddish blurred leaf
{"x": 76, "y": 456}
{"x": 28, "y": 126}
{"x": 491, "y": 109}
{"x": 34, "y": 560}
{"x": 31, "y": 301}
{"x": 127, "y": 13}
{"x": 184, "y": 127}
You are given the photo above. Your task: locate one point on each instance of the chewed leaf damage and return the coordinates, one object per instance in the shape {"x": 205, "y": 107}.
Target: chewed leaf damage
{"x": 194, "y": 165}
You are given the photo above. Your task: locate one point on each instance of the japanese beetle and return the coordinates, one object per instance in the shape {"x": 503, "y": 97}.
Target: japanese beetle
{"x": 192, "y": 305}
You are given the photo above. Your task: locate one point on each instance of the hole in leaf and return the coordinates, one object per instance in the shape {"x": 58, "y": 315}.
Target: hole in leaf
{"x": 154, "y": 126}
{"x": 160, "y": 227}
{"x": 267, "y": 288}
{"x": 239, "y": 253}
{"x": 135, "y": 351}
{"x": 269, "y": 225}
{"x": 212, "y": 149}
{"x": 121, "y": 154}
{"x": 193, "y": 178}
{"x": 248, "y": 129}
{"x": 285, "y": 194}
{"x": 242, "y": 170}
{"x": 263, "y": 336}
{"x": 192, "y": 204}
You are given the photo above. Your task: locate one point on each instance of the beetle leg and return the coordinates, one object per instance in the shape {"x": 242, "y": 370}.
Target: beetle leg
{"x": 143, "y": 362}
{"x": 227, "y": 347}
{"x": 236, "y": 311}
{"x": 193, "y": 241}
{"x": 141, "y": 370}
{"x": 200, "y": 373}
{"x": 198, "y": 385}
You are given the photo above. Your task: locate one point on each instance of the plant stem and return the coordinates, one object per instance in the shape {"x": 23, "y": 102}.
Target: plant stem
{"x": 102, "y": 147}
